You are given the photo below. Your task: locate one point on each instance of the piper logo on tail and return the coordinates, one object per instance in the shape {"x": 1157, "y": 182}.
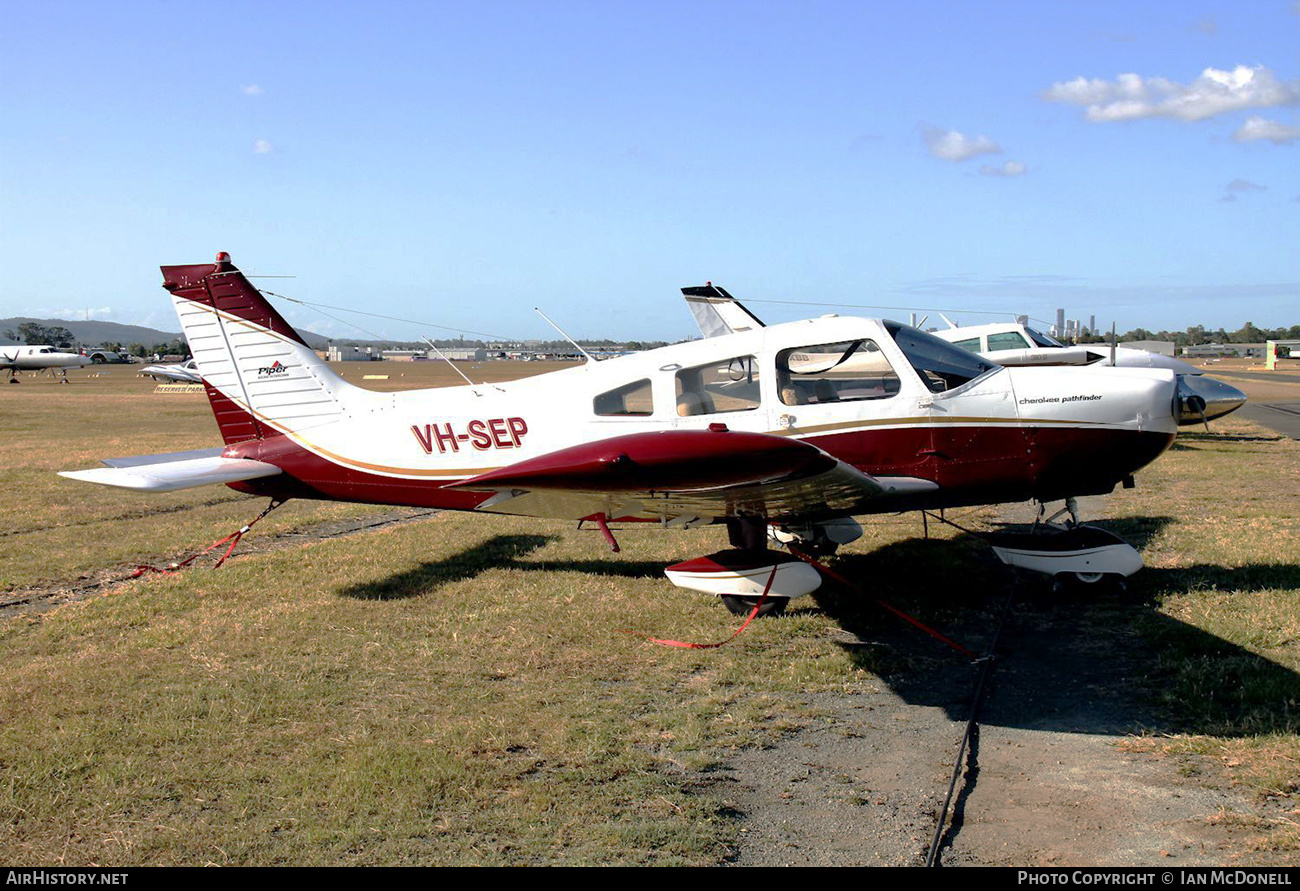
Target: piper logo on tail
{"x": 272, "y": 370}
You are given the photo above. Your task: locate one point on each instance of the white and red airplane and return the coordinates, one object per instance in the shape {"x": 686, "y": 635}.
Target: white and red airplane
{"x": 788, "y": 429}
{"x": 39, "y": 358}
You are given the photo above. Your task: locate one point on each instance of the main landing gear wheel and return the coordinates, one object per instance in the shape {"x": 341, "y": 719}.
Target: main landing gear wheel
{"x": 743, "y": 604}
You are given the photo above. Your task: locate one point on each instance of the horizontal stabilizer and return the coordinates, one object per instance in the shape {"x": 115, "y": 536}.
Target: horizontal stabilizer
{"x": 163, "y": 458}
{"x": 169, "y": 474}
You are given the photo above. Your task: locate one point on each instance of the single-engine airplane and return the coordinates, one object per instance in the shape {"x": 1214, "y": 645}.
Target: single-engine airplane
{"x": 781, "y": 432}
{"x": 39, "y": 358}
{"x": 178, "y": 372}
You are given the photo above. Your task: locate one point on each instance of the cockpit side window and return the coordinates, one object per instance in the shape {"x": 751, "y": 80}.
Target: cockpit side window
{"x": 630, "y": 400}
{"x": 941, "y": 365}
{"x": 717, "y": 387}
{"x": 846, "y": 371}
{"x": 1009, "y": 340}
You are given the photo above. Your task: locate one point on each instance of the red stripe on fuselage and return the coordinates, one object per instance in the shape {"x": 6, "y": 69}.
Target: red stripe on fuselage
{"x": 972, "y": 465}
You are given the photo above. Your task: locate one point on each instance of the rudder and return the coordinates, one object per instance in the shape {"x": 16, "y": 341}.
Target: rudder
{"x": 260, "y": 375}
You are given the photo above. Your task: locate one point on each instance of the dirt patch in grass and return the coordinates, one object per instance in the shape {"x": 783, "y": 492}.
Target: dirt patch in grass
{"x": 31, "y": 602}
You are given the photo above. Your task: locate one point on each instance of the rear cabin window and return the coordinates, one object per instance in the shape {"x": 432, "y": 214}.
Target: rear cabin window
{"x": 1010, "y": 340}
{"x": 717, "y": 387}
{"x": 970, "y": 344}
{"x": 628, "y": 401}
{"x": 846, "y": 371}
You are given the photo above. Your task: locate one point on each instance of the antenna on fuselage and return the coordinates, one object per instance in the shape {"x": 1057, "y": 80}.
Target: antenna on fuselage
{"x": 566, "y": 337}
{"x": 472, "y": 385}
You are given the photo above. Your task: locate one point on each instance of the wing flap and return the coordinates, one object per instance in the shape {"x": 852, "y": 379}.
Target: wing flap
{"x": 171, "y": 474}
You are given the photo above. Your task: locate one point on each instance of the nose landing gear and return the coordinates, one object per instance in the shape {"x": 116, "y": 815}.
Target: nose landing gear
{"x": 1072, "y": 553}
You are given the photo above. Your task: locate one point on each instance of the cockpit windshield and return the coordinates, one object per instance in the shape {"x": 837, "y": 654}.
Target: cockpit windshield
{"x": 1041, "y": 339}
{"x": 941, "y": 365}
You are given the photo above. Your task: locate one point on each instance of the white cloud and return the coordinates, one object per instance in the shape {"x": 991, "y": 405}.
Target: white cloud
{"x": 1260, "y": 128}
{"x": 951, "y": 145}
{"x": 1011, "y": 168}
{"x": 261, "y": 147}
{"x": 1215, "y": 92}
{"x": 251, "y": 90}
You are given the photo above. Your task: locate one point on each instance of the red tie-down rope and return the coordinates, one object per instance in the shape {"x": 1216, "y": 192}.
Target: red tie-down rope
{"x": 710, "y": 646}
{"x": 912, "y": 620}
{"x": 233, "y": 538}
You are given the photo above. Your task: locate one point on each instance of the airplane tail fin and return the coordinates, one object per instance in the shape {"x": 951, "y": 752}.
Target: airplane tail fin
{"x": 260, "y": 375}
{"x": 717, "y": 312}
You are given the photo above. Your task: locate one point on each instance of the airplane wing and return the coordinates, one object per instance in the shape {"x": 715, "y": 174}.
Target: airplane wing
{"x": 172, "y": 471}
{"x": 717, "y": 312}
{"x": 686, "y": 476}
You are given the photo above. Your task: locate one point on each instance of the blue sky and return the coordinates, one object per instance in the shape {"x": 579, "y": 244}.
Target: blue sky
{"x": 459, "y": 163}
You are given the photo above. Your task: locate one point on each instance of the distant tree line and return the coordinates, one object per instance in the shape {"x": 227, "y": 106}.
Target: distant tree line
{"x": 1199, "y": 334}
{"x": 177, "y": 347}
{"x": 33, "y": 334}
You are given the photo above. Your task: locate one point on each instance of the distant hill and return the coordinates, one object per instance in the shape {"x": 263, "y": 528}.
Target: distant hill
{"x": 94, "y": 333}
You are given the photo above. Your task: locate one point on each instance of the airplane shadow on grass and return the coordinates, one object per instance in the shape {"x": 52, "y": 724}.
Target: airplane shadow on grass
{"x": 1086, "y": 659}
{"x": 501, "y": 551}
{"x": 1192, "y": 442}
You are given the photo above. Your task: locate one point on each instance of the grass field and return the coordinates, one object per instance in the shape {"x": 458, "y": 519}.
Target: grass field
{"x": 459, "y": 690}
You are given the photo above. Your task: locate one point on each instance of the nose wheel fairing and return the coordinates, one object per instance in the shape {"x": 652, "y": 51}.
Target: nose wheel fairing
{"x": 1086, "y": 553}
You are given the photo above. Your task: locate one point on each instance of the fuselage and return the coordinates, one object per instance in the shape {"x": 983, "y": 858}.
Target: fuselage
{"x": 889, "y": 400}
{"x": 35, "y": 358}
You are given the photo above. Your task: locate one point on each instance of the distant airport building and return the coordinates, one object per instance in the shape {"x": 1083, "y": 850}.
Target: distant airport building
{"x": 1162, "y": 347}
{"x": 349, "y": 354}
{"x": 461, "y": 354}
{"x": 1221, "y": 350}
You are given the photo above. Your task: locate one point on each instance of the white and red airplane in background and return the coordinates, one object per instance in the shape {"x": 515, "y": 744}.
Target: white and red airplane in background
{"x": 789, "y": 430}
{"x": 16, "y": 358}
{"x": 1201, "y": 398}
